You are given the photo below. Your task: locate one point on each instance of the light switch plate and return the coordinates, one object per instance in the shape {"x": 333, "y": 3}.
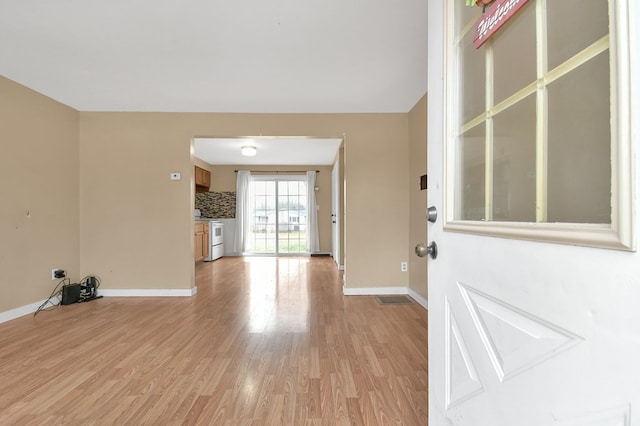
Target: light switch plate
{"x": 175, "y": 175}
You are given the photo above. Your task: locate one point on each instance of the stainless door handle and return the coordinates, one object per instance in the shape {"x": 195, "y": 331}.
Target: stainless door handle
{"x": 423, "y": 250}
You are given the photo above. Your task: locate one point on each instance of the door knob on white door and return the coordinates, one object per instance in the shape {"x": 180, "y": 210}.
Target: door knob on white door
{"x": 423, "y": 250}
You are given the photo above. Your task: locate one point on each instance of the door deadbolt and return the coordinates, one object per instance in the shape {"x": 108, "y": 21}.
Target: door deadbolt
{"x": 423, "y": 250}
{"x": 432, "y": 214}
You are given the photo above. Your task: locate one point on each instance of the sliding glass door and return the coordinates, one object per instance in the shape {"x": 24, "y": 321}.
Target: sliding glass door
{"x": 279, "y": 215}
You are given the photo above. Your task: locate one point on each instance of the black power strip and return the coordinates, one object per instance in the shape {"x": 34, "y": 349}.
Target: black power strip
{"x": 70, "y": 294}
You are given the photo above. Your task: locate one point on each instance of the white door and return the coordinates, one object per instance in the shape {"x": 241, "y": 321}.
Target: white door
{"x": 335, "y": 213}
{"x": 526, "y": 332}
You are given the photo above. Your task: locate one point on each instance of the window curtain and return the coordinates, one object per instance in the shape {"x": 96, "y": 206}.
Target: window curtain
{"x": 243, "y": 211}
{"x": 313, "y": 240}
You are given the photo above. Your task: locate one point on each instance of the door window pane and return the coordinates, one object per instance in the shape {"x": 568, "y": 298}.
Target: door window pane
{"x": 573, "y": 112}
{"x": 573, "y": 25}
{"x": 580, "y": 136}
{"x": 514, "y": 162}
{"x": 534, "y": 136}
{"x": 473, "y": 76}
{"x": 514, "y": 54}
{"x": 472, "y": 175}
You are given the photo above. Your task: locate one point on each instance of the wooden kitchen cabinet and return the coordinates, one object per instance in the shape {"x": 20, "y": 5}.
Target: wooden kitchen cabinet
{"x": 203, "y": 179}
{"x": 201, "y": 240}
{"x": 205, "y": 241}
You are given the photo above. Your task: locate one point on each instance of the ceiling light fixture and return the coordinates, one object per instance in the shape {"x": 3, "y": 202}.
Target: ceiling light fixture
{"x": 248, "y": 150}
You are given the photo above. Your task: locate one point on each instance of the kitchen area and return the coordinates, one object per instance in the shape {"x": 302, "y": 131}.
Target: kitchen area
{"x": 214, "y": 219}
{"x": 216, "y": 163}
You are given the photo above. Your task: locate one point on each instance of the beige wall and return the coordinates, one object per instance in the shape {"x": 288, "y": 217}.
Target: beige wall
{"x": 136, "y": 228}
{"x": 224, "y": 179}
{"x": 99, "y": 199}
{"x": 38, "y": 192}
{"x": 376, "y": 198}
{"x": 417, "y": 198}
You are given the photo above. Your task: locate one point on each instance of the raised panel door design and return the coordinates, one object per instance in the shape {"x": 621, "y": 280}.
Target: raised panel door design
{"x": 619, "y": 416}
{"x": 462, "y": 378}
{"x": 514, "y": 339}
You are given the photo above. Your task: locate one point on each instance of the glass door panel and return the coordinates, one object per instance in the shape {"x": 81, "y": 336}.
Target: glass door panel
{"x": 472, "y": 83}
{"x": 514, "y": 162}
{"x": 533, "y": 100}
{"x": 580, "y": 135}
{"x": 514, "y": 55}
{"x": 573, "y": 25}
{"x": 472, "y": 173}
{"x": 264, "y": 236}
{"x": 280, "y": 216}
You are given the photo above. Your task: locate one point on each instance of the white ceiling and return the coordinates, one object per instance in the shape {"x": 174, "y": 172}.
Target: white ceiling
{"x": 219, "y": 56}
{"x": 270, "y": 151}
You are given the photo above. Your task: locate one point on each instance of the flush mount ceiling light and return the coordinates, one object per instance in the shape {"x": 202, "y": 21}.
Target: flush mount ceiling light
{"x": 248, "y": 150}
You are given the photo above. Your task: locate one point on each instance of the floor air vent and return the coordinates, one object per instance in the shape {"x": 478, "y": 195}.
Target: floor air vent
{"x": 394, "y": 300}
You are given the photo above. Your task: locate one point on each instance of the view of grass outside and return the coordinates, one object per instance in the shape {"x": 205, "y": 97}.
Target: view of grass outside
{"x": 288, "y": 242}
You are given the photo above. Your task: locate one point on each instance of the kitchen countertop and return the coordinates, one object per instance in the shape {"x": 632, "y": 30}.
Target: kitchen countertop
{"x": 212, "y": 218}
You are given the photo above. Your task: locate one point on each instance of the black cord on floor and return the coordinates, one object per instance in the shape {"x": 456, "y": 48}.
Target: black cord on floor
{"x": 57, "y": 292}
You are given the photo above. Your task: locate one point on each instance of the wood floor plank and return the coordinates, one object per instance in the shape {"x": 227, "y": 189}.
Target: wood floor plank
{"x": 265, "y": 341}
{"x": 201, "y": 402}
{"x": 341, "y": 412}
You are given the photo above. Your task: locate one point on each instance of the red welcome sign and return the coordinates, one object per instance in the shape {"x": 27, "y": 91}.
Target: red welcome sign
{"x": 495, "y": 17}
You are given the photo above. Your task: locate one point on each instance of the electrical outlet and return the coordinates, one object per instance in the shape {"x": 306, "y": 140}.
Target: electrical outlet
{"x": 404, "y": 267}
{"x": 58, "y": 274}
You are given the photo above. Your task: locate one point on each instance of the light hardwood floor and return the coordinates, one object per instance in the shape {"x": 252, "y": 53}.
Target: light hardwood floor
{"x": 266, "y": 341}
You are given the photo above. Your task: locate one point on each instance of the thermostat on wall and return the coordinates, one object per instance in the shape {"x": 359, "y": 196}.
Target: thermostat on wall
{"x": 175, "y": 175}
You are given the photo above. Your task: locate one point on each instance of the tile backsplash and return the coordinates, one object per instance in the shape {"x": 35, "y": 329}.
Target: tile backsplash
{"x": 220, "y": 205}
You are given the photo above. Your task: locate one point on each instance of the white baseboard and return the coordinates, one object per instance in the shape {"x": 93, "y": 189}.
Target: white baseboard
{"x": 20, "y": 311}
{"x": 32, "y": 307}
{"x": 373, "y": 291}
{"x": 419, "y": 298}
{"x": 381, "y": 291}
{"x": 144, "y": 292}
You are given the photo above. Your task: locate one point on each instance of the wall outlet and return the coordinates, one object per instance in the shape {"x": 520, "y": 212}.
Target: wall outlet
{"x": 404, "y": 266}
{"x": 58, "y": 274}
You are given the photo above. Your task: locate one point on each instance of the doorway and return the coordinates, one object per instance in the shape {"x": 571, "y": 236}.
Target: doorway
{"x": 276, "y": 157}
